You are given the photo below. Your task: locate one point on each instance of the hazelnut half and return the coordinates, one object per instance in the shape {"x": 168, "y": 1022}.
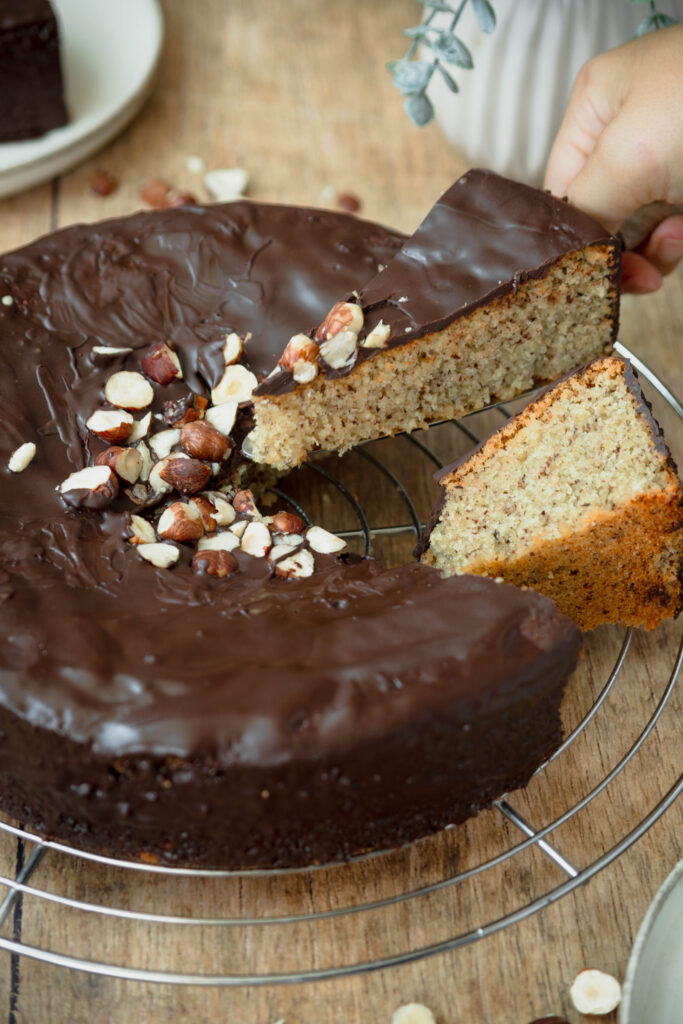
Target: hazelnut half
{"x": 187, "y": 475}
{"x": 204, "y": 441}
{"x": 595, "y": 992}
{"x": 344, "y": 316}
{"x": 219, "y": 563}
{"x": 94, "y": 487}
{"x": 287, "y": 522}
{"x": 111, "y": 425}
{"x": 236, "y": 385}
{"x": 126, "y": 462}
{"x": 340, "y": 351}
{"x": 128, "y": 389}
{"x": 180, "y": 522}
{"x": 161, "y": 364}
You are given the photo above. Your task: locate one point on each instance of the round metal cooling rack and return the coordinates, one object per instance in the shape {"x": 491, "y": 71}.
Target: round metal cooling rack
{"x": 25, "y": 887}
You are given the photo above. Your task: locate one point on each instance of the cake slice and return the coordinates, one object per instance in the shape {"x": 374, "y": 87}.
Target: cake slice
{"x": 501, "y": 288}
{"x": 31, "y": 87}
{"x": 577, "y": 497}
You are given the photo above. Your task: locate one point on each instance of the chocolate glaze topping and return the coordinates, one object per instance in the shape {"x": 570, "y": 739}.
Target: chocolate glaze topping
{"x": 106, "y": 660}
{"x": 484, "y": 237}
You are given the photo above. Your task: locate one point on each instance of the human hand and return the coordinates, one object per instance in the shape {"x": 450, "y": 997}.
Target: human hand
{"x": 620, "y": 146}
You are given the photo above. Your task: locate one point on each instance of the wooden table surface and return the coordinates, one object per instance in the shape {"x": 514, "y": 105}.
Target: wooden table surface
{"x": 295, "y": 91}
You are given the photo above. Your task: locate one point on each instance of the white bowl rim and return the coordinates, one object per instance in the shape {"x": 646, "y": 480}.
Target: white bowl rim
{"x": 663, "y": 893}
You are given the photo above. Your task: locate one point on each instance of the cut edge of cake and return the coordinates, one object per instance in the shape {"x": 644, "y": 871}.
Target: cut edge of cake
{"x": 385, "y": 362}
{"x": 596, "y": 524}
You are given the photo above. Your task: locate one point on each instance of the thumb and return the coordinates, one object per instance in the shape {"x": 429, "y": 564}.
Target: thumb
{"x": 620, "y": 175}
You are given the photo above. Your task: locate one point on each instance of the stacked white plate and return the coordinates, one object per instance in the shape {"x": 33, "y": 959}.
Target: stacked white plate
{"x": 110, "y": 52}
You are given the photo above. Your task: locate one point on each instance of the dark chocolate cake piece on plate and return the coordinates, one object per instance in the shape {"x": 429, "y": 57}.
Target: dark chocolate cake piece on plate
{"x": 31, "y": 87}
{"x": 501, "y": 288}
{"x": 183, "y": 677}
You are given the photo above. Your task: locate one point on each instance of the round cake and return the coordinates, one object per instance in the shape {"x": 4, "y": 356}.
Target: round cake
{"x": 182, "y": 678}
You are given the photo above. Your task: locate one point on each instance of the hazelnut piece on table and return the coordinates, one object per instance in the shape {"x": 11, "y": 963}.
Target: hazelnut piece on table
{"x": 595, "y": 992}
{"x": 413, "y": 1013}
{"x": 103, "y": 183}
{"x": 154, "y": 192}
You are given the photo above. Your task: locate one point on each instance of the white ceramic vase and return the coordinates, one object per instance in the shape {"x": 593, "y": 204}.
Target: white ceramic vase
{"x": 511, "y": 104}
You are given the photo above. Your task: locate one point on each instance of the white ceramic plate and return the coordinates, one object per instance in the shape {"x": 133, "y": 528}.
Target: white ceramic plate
{"x": 110, "y": 51}
{"x": 653, "y": 987}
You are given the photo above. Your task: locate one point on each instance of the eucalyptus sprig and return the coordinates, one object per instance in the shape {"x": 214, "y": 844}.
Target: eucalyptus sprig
{"x": 412, "y": 77}
{"x": 654, "y": 19}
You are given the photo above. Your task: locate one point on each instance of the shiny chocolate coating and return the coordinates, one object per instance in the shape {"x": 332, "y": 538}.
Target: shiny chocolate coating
{"x": 246, "y": 720}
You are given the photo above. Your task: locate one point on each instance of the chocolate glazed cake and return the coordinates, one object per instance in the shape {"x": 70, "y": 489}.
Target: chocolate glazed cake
{"x": 31, "y": 88}
{"x": 258, "y": 702}
{"x": 501, "y": 288}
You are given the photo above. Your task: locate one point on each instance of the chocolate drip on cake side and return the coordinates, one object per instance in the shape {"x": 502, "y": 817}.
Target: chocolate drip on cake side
{"x": 179, "y": 713}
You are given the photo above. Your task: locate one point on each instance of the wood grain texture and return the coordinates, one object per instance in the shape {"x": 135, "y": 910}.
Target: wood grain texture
{"x": 296, "y": 92}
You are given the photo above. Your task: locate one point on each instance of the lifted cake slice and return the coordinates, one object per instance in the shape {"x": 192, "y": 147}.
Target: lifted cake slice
{"x": 501, "y": 288}
{"x": 578, "y": 497}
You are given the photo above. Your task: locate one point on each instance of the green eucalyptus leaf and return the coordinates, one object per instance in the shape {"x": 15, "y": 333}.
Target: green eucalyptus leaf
{"x": 637, "y": 1}
{"x": 448, "y": 79}
{"x": 412, "y": 76}
{"x": 643, "y": 26}
{"x": 486, "y": 16}
{"x": 437, "y": 5}
{"x": 418, "y": 32}
{"x": 453, "y": 50}
{"x": 419, "y": 109}
{"x": 664, "y": 20}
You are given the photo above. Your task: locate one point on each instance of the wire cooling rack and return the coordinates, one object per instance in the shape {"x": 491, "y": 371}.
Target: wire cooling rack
{"x": 470, "y": 881}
